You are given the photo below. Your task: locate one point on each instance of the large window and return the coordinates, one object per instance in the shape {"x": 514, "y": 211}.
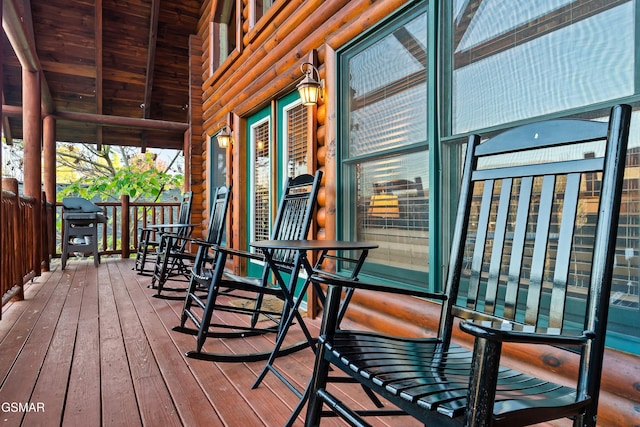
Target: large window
{"x": 217, "y": 175}
{"x": 385, "y": 166}
{"x": 512, "y": 62}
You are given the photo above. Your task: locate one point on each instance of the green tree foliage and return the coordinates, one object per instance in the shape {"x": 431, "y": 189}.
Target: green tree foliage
{"x": 112, "y": 172}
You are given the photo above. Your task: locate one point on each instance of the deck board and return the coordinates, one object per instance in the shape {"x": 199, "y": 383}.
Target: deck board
{"x": 197, "y": 410}
{"x": 83, "y": 402}
{"x": 58, "y": 360}
{"x": 117, "y": 390}
{"x": 96, "y": 348}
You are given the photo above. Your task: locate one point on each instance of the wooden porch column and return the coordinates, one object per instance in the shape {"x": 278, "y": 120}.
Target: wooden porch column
{"x": 49, "y": 153}
{"x": 186, "y": 149}
{"x": 32, "y": 136}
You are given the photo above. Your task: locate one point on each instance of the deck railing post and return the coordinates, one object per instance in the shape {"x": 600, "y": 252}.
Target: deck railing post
{"x": 16, "y": 230}
{"x": 44, "y": 254}
{"x": 125, "y": 227}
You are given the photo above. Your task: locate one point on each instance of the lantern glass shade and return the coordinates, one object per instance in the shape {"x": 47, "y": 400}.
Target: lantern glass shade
{"x": 309, "y": 90}
{"x": 224, "y": 138}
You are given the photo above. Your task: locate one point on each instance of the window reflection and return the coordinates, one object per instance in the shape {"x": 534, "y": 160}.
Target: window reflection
{"x": 538, "y": 58}
{"x": 393, "y": 210}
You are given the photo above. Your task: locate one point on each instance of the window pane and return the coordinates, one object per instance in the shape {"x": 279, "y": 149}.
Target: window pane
{"x": 516, "y": 62}
{"x": 261, "y": 7}
{"x": 223, "y": 33}
{"x": 261, "y": 181}
{"x": 624, "y": 311}
{"x": 387, "y": 91}
{"x": 393, "y": 210}
{"x": 296, "y": 140}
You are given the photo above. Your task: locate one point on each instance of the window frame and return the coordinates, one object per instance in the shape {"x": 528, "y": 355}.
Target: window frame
{"x": 346, "y": 204}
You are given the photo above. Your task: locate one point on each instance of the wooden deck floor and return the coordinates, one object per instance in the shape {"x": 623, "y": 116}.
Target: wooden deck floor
{"x": 92, "y": 347}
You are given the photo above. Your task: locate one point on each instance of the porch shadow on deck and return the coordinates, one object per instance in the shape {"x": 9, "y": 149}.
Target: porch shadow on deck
{"x": 93, "y": 347}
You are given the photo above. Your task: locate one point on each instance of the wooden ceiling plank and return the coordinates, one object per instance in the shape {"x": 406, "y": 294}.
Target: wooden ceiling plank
{"x": 24, "y": 47}
{"x": 151, "y": 55}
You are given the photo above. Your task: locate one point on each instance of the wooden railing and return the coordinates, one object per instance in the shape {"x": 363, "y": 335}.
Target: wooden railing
{"x": 19, "y": 259}
{"x": 119, "y": 235}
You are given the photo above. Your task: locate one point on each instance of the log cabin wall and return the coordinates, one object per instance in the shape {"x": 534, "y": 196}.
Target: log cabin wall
{"x": 263, "y": 67}
{"x": 194, "y": 149}
{"x": 266, "y": 65}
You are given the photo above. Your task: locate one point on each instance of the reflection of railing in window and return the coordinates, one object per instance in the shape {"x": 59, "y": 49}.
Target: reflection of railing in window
{"x": 625, "y": 288}
{"x": 399, "y": 204}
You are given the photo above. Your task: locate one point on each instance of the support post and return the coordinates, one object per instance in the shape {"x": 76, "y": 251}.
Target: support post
{"x": 32, "y": 136}
{"x": 49, "y": 165}
{"x": 1, "y": 97}
{"x": 125, "y": 227}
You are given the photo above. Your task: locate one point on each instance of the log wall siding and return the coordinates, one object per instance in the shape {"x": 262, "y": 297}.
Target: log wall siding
{"x": 195, "y": 144}
{"x": 264, "y": 67}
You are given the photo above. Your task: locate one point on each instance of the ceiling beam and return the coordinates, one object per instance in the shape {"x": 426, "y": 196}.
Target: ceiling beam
{"x": 106, "y": 120}
{"x": 125, "y": 122}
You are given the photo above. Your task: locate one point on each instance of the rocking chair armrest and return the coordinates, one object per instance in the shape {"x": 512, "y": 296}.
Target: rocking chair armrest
{"x": 240, "y": 253}
{"x": 172, "y": 235}
{"x": 325, "y": 278}
{"x": 201, "y": 242}
{"x": 194, "y": 240}
{"x": 163, "y": 227}
{"x": 516, "y": 333}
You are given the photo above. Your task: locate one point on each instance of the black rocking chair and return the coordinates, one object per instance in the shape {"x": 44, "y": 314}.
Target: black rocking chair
{"x": 532, "y": 199}
{"x": 149, "y": 237}
{"x": 292, "y": 222}
{"x": 175, "y": 263}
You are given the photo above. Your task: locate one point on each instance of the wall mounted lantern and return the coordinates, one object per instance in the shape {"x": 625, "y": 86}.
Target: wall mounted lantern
{"x": 310, "y": 89}
{"x": 224, "y": 136}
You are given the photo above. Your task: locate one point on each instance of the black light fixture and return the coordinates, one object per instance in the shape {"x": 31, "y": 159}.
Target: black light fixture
{"x": 224, "y": 136}
{"x": 310, "y": 89}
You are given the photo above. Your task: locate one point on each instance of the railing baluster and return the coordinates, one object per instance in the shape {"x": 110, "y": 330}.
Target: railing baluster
{"x": 19, "y": 261}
